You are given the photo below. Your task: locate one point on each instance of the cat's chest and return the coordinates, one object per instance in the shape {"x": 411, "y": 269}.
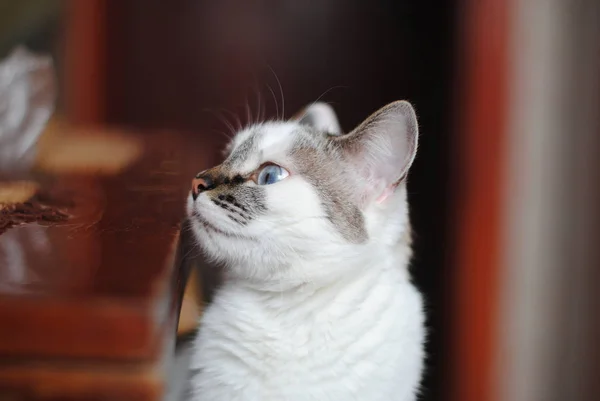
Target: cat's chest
{"x": 326, "y": 330}
{"x": 350, "y": 346}
{"x": 306, "y": 340}
{"x": 298, "y": 337}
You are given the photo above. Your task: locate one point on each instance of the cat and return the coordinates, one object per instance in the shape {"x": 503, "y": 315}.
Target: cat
{"x": 312, "y": 227}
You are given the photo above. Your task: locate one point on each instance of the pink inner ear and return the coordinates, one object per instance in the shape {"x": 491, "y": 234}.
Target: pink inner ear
{"x": 386, "y": 193}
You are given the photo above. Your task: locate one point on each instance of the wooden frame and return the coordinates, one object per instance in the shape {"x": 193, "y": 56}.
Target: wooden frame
{"x": 85, "y": 59}
{"x": 480, "y": 135}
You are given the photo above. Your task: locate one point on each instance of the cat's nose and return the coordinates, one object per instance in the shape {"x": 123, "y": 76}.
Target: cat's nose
{"x": 201, "y": 184}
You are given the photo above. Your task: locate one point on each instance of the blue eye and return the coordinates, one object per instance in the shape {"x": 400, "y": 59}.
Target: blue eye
{"x": 271, "y": 174}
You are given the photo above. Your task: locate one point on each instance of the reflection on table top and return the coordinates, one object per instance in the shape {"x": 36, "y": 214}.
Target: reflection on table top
{"x": 100, "y": 283}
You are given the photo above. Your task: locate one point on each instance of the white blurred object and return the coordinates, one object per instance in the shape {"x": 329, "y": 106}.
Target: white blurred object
{"x": 27, "y": 96}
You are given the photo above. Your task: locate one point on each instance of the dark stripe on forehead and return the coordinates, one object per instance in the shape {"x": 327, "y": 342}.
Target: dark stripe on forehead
{"x": 242, "y": 152}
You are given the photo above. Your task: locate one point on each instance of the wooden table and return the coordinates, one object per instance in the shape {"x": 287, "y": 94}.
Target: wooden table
{"x": 89, "y": 305}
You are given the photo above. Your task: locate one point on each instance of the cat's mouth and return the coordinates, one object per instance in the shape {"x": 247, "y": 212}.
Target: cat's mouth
{"x": 212, "y": 228}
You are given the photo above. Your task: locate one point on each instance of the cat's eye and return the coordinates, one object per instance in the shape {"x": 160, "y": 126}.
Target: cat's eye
{"x": 270, "y": 174}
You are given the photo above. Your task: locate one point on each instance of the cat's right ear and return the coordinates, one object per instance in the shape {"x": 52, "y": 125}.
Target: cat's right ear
{"x": 382, "y": 149}
{"x": 320, "y": 116}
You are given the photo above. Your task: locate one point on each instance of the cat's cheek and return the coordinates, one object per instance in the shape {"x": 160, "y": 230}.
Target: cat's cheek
{"x": 294, "y": 197}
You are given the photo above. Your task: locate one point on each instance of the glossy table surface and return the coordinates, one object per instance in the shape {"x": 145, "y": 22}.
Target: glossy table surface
{"x": 103, "y": 284}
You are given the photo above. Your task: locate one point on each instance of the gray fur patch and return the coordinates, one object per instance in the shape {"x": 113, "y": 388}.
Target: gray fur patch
{"x": 322, "y": 166}
{"x": 242, "y": 152}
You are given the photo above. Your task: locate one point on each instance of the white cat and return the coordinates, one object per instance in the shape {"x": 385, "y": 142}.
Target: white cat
{"x": 312, "y": 226}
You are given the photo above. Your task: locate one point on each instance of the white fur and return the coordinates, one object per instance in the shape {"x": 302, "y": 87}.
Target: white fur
{"x": 304, "y": 314}
{"x": 322, "y": 117}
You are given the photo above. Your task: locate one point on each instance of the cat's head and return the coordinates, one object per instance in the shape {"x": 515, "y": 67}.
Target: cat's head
{"x": 299, "y": 201}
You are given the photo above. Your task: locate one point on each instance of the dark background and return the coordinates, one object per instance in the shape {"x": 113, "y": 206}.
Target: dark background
{"x": 169, "y": 61}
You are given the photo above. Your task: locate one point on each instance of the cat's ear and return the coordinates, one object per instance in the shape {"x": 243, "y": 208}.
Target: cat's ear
{"x": 383, "y": 148}
{"x": 320, "y": 116}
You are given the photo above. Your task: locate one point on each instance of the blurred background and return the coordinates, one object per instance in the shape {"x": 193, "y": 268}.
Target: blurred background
{"x": 504, "y": 194}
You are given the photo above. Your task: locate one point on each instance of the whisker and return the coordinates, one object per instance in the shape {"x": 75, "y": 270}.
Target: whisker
{"x": 323, "y": 94}
{"x": 275, "y": 100}
{"x": 248, "y": 113}
{"x": 280, "y": 91}
{"x": 236, "y": 118}
{"x": 256, "y": 88}
{"x": 264, "y": 111}
{"x": 222, "y": 119}
{"x": 195, "y": 255}
{"x": 222, "y": 133}
{"x": 329, "y": 90}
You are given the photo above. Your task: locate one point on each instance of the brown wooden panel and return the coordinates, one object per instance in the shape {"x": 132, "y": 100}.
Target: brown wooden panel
{"x": 85, "y": 58}
{"x": 482, "y": 106}
{"x": 101, "y": 284}
{"x": 59, "y": 381}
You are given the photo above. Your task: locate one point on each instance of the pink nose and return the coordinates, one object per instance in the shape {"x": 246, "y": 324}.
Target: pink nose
{"x": 200, "y": 184}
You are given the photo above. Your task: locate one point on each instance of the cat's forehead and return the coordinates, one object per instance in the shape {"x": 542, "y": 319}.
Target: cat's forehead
{"x": 265, "y": 142}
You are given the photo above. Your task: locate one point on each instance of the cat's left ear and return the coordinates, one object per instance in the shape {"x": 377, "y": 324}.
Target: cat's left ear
{"x": 320, "y": 116}
{"x": 382, "y": 149}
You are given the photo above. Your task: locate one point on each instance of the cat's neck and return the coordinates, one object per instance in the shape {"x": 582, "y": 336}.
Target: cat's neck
{"x": 366, "y": 272}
